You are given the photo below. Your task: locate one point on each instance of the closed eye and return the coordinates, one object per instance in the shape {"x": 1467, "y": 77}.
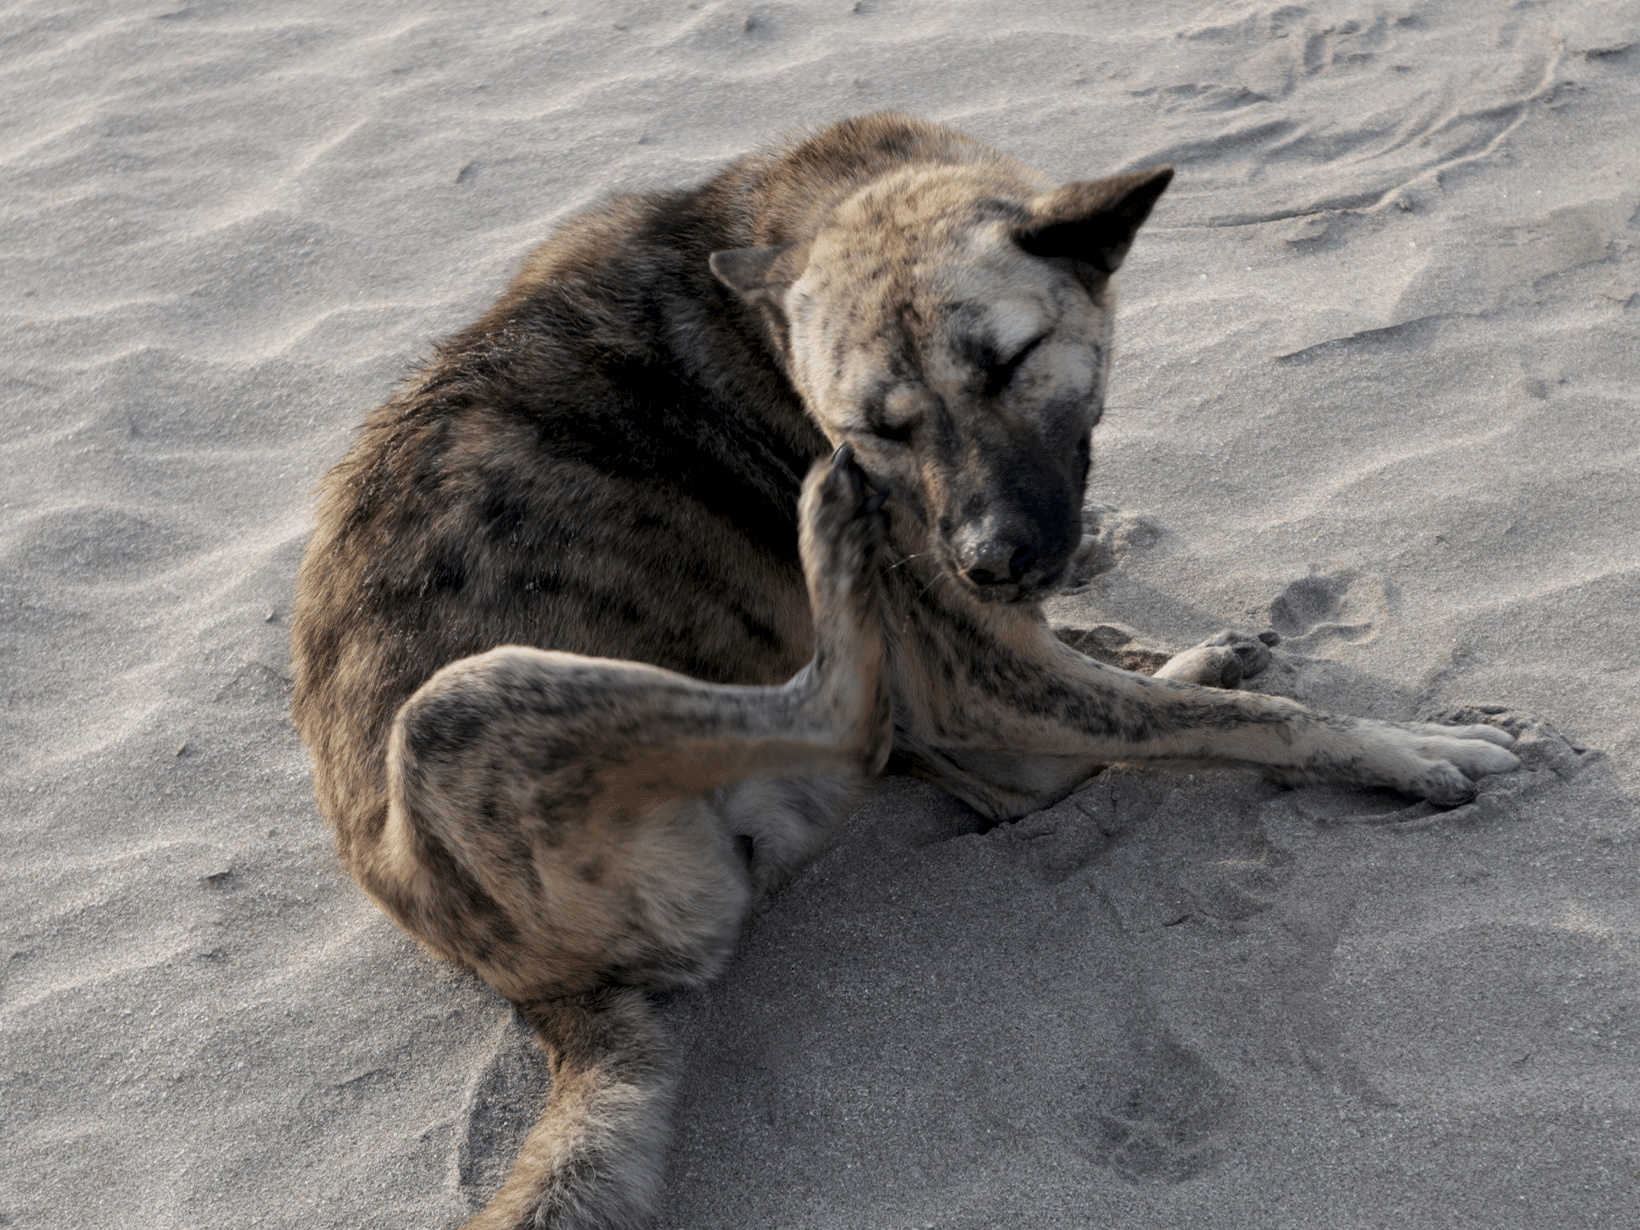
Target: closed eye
{"x": 997, "y": 375}
{"x": 893, "y": 415}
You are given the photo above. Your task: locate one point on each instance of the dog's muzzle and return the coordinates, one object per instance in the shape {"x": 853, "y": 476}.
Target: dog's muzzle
{"x": 1002, "y": 560}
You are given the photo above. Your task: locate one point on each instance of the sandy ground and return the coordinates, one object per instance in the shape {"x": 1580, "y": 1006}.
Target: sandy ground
{"x": 1377, "y": 388}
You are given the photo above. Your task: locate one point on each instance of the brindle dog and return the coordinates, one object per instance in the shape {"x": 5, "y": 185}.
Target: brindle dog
{"x": 587, "y": 666}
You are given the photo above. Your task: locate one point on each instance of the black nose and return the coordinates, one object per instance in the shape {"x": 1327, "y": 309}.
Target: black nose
{"x": 997, "y": 561}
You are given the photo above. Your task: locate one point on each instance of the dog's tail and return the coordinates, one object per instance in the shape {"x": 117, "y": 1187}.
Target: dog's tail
{"x": 594, "y": 1160}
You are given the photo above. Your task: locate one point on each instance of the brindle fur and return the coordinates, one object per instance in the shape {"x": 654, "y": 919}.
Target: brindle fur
{"x": 583, "y": 677}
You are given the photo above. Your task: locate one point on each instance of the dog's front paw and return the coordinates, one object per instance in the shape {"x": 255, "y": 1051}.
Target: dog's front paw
{"x": 1440, "y": 763}
{"x": 1222, "y": 661}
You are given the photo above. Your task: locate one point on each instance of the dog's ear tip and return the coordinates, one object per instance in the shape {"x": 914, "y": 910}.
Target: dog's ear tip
{"x": 746, "y": 270}
{"x": 1147, "y": 183}
{"x": 1093, "y": 220}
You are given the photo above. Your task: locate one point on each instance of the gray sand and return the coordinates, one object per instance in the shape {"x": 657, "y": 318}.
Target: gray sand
{"x": 1376, "y": 388}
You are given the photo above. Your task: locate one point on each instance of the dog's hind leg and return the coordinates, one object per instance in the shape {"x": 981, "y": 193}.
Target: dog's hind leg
{"x": 579, "y": 830}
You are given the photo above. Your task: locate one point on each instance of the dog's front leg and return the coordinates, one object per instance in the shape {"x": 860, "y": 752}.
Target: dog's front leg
{"x": 997, "y": 710}
{"x": 1221, "y": 661}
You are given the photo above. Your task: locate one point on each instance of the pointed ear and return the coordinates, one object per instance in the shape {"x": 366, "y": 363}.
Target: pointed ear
{"x": 1093, "y": 220}
{"x": 753, "y": 273}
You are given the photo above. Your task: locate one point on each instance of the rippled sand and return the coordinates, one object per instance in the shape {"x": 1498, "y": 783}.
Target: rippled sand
{"x": 1380, "y": 350}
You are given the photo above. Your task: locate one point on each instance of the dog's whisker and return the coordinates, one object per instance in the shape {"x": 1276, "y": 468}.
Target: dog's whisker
{"x": 904, "y": 560}
{"x": 935, "y": 579}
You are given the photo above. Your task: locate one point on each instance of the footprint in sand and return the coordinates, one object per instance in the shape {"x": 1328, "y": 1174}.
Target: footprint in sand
{"x": 1169, "y": 1126}
{"x": 1108, "y": 535}
{"x": 1341, "y": 606}
{"x": 90, "y": 543}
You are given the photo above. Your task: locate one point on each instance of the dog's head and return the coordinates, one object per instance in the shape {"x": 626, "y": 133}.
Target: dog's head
{"x": 954, "y": 328}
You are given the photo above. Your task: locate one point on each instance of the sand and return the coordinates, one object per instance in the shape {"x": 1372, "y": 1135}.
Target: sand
{"x": 1376, "y": 388}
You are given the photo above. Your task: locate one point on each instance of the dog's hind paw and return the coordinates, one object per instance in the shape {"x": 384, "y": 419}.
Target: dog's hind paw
{"x": 1222, "y": 661}
{"x": 843, "y": 524}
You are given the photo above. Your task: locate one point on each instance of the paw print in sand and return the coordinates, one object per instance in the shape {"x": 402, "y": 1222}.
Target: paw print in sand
{"x": 1169, "y": 1127}
{"x": 1341, "y": 606}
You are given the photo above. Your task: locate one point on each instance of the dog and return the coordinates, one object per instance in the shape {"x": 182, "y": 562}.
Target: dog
{"x": 616, "y": 606}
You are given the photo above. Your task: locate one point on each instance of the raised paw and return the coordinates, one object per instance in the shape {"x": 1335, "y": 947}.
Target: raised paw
{"x": 841, "y": 532}
{"x": 843, "y": 526}
{"x": 1222, "y": 661}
